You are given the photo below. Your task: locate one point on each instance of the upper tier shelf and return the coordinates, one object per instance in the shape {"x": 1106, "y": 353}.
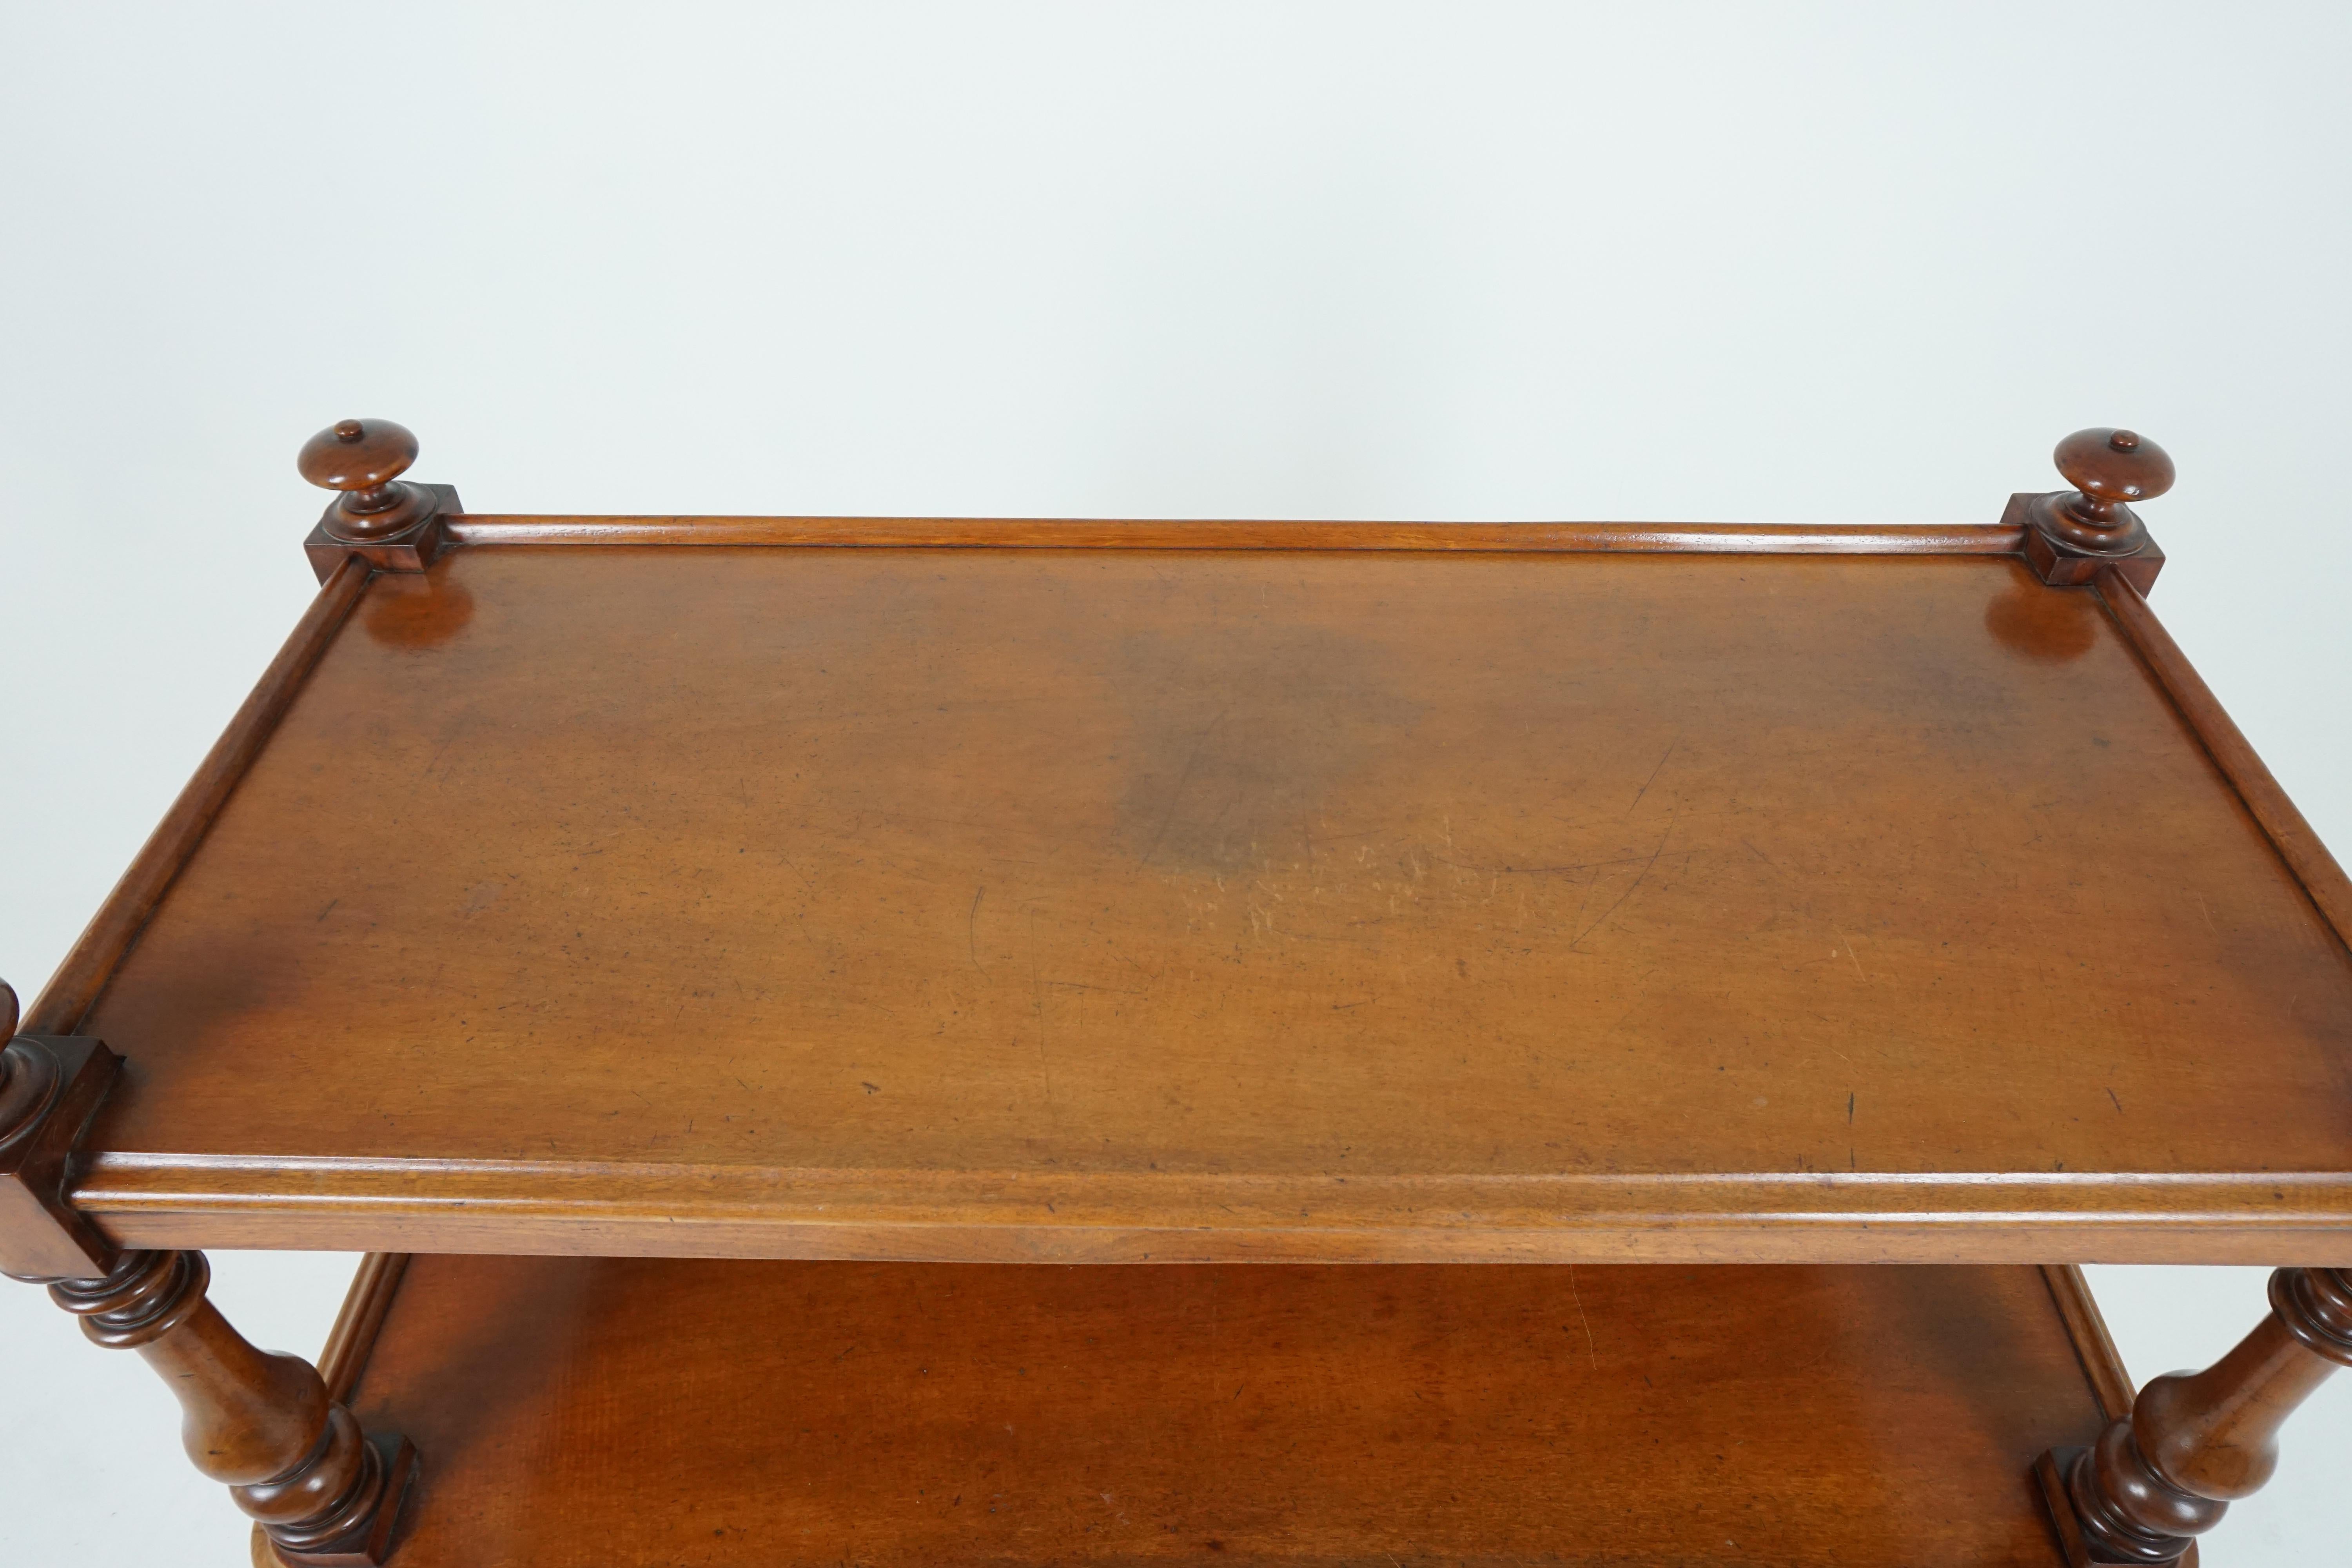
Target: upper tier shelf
{"x": 1372, "y": 893}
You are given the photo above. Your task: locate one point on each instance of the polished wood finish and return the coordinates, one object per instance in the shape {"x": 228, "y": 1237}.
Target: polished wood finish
{"x": 2072, "y": 535}
{"x": 363, "y": 459}
{"x": 633, "y": 1412}
{"x": 2102, "y": 1365}
{"x": 262, "y": 1423}
{"x": 349, "y": 1345}
{"x": 412, "y": 549}
{"x": 1096, "y": 533}
{"x": 1050, "y": 891}
{"x": 2322, "y": 878}
{"x": 49, "y": 1088}
{"x": 2109, "y": 468}
{"x": 66, "y": 1002}
{"x": 2049, "y": 1480}
{"x": 2196, "y": 1441}
{"x": 391, "y": 524}
{"x": 1136, "y": 904}
{"x": 63, "y": 1079}
{"x": 349, "y": 1342}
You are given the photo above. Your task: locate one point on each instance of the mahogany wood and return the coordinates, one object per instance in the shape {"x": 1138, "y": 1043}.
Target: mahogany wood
{"x": 373, "y": 1285}
{"x": 2102, "y": 1363}
{"x": 633, "y": 1412}
{"x": 1126, "y": 904}
{"x": 393, "y": 525}
{"x": 49, "y": 1088}
{"x": 67, "y": 1000}
{"x": 349, "y": 1345}
{"x": 1232, "y": 789}
{"x": 411, "y": 548}
{"x": 2072, "y": 535}
{"x": 2322, "y": 879}
{"x": 2196, "y": 1441}
{"x": 2049, "y": 1480}
{"x": 264, "y": 1424}
{"x": 2109, "y": 468}
{"x": 1098, "y": 533}
{"x": 361, "y": 459}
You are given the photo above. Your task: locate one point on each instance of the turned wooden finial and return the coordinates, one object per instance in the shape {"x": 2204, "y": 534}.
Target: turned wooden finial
{"x": 390, "y": 523}
{"x": 28, "y": 1077}
{"x": 364, "y": 459}
{"x": 2108, "y": 469}
{"x": 2070, "y": 534}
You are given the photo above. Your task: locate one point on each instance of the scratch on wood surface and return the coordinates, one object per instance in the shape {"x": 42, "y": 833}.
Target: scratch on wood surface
{"x": 457, "y": 731}
{"x": 1565, "y": 870}
{"x": 1851, "y": 953}
{"x": 1590, "y": 1350}
{"x": 1044, "y": 1057}
{"x": 1176, "y": 796}
{"x": 1630, "y": 886}
{"x": 1654, "y": 774}
{"x": 972, "y": 928}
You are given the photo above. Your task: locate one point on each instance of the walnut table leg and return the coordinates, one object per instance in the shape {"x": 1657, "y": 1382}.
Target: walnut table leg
{"x": 2195, "y": 1442}
{"x": 325, "y": 1492}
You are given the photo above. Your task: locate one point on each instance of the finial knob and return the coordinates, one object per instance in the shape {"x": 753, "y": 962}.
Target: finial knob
{"x": 2072, "y": 534}
{"x": 364, "y": 459}
{"x": 2108, "y": 469}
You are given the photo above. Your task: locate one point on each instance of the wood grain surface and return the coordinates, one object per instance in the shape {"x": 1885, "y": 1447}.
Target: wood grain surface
{"x": 66, "y": 1002}
{"x": 1123, "y": 534}
{"x": 2103, "y": 1364}
{"x": 373, "y": 1285}
{"x": 1137, "y": 903}
{"x": 2297, "y": 845}
{"x": 634, "y": 1413}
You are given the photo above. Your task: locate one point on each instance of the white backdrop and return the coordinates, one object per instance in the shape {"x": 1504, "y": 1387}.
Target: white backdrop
{"x": 1827, "y": 263}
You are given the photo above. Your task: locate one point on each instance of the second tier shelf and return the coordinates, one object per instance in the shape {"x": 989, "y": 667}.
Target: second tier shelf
{"x": 652, "y": 1413}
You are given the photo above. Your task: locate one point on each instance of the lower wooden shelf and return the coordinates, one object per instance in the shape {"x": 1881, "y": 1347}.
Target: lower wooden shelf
{"x": 659, "y": 1414}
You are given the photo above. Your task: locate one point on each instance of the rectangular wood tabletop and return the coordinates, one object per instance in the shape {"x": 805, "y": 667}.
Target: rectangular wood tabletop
{"x": 1135, "y": 903}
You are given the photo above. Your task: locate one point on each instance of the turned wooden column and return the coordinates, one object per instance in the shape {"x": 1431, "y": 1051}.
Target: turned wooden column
{"x": 2195, "y": 1442}
{"x": 326, "y": 1494}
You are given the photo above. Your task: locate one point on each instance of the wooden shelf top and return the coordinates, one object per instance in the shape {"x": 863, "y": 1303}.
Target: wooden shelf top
{"x": 1522, "y": 900}
{"x": 641, "y": 1412}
